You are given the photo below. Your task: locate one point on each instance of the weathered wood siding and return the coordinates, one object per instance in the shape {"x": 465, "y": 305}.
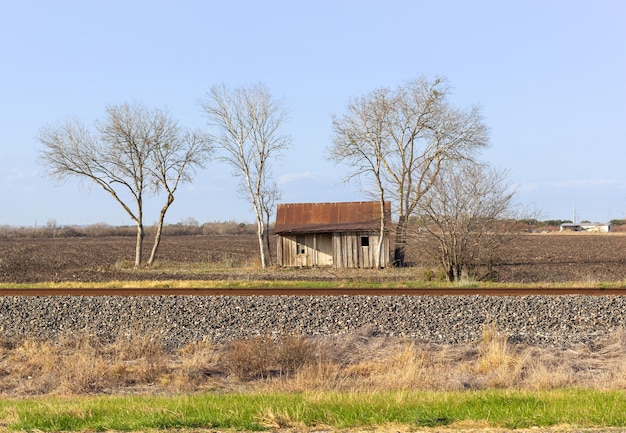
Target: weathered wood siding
{"x": 305, "y": 250}
{"x": 339, "y": 250}
{"x": 351, "y": 250}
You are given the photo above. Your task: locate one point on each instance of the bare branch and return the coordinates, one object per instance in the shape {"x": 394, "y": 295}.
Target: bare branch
{"x": 401, "y": 137}
{"x": 462, "y": 218}
{"x": 131, "y": 150}
{"x": 247, "y": 123}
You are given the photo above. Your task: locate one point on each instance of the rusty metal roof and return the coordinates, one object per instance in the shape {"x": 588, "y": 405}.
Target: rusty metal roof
{"x": 329, "y": 217}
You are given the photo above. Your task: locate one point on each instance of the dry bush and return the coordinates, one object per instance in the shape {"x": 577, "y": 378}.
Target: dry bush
{"x": 548, "y": 370}
{"x": 611, "y": 355}
{"x": 250, "y": 358}
{"x": 140, "y": 358}
{"x": 196, "y": 366}
{"x": 387, "y": 364}
{"x": 263, "y": 356}
{"x": 362, "y": 361}
{"x": 403, "y": 367}
{"x": 231, "y": 259}
{"x": 83, "y": 367}
{"x": 499, "y": 364}
{"x": 30, "y": 368}
{"x": 292, "y": 353}
{"x": 356, "y": 362}
{"x": 322, "y": 374}
{"x": 366, "y": 362}
{"x": 78, "y": 364}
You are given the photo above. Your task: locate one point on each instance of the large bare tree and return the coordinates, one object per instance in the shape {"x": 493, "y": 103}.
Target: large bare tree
{"x": 361, "y": 140}
{"x": 174, "y": 163}
{"x": 131, "y": 152}
{"x": 401, "y": 137}
{"x": 465, "y": 217}
{"x": 247, "y": 122}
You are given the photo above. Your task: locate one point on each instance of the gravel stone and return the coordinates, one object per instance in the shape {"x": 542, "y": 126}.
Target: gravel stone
{"x": 178, "y": 320}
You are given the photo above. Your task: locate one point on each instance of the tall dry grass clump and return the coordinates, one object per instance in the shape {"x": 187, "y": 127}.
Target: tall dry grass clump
{"x": 264, "y": 357}
{"x": 499, "y": 364}
{"x": 138, "y": 362}
{"x": 79, "y": 364}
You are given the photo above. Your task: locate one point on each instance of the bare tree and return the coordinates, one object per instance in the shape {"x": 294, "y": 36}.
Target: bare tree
{"x": 174, "y": 162}
{"x": 411, "y": 130}
{"x": 464, "y": 218}
{"x": 132, "y": 151}
{"x": 361, "y": 140}
{"x": 247, "y": 122}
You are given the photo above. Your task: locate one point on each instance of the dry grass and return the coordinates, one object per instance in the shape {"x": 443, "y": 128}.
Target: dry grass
{"x": 292, "y": 363}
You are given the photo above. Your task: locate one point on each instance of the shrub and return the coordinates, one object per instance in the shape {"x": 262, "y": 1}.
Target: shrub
{"x": 250, "y": 358}
{"x": 137, "y": 362}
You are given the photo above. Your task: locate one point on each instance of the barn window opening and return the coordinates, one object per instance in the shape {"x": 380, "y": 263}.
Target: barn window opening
{"x": 300, "y": 245}
{"x": 365, "y": 241}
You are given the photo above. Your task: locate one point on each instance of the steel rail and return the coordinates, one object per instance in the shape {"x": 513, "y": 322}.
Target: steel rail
{"x": 300, "y": 291}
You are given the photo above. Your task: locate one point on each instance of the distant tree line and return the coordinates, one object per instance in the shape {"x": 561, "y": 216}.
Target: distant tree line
{"x": 548, "y": 223}
{"x": 184, "y": 228}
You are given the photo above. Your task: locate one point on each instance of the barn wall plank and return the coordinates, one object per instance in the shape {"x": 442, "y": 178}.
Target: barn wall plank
{"x": 346, "y": 250}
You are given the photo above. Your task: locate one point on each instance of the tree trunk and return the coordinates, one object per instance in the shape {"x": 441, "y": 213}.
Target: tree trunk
{"x": 260, "y": 230}
{"x": 400, "y": 250}
{"x": 157, "y": 241}
{"x": 268, "y": 246}
{"x": 450, "y": 273}
{"x": 266, "y": 238}
{"x": 381, "y": 236}
{"x": 139, "y": 244}
{"x": 159, "y": 231}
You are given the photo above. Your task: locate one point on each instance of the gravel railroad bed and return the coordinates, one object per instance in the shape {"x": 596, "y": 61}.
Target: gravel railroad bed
{"x": 177, "y": 320}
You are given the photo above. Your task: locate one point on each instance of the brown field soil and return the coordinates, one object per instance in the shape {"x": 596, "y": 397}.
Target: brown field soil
{"x": 111, "y": 258}
{"x": 557, "y": 258}
{"x": 529, "y": 258}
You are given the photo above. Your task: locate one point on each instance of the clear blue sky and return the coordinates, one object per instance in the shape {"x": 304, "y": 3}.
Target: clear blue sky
{"x": 550, "y": 76}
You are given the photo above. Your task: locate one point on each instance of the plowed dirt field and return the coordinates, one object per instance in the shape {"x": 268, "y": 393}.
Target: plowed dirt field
{"x": 528, "y": 258}
{"x": 555, "y": 257}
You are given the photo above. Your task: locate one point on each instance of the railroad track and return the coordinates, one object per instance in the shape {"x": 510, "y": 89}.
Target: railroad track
{"x": 286, "y": 291}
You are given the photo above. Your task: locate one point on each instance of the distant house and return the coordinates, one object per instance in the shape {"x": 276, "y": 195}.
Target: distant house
{"x": 570, "y": 227}
{"x": 586, "y": 227}
{"x": 339, "y": 235}
{"x": 600, "y": 228}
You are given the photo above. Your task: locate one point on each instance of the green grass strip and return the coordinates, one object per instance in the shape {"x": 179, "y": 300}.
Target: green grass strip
{"x": 255, "y": 412}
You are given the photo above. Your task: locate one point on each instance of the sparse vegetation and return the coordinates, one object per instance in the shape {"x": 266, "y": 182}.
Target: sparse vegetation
{"x": 81, "y": 364}
{"x": 300, "y": 382}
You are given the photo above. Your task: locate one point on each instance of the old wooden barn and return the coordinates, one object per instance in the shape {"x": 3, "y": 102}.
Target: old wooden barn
{"x": 339, "y": 235}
